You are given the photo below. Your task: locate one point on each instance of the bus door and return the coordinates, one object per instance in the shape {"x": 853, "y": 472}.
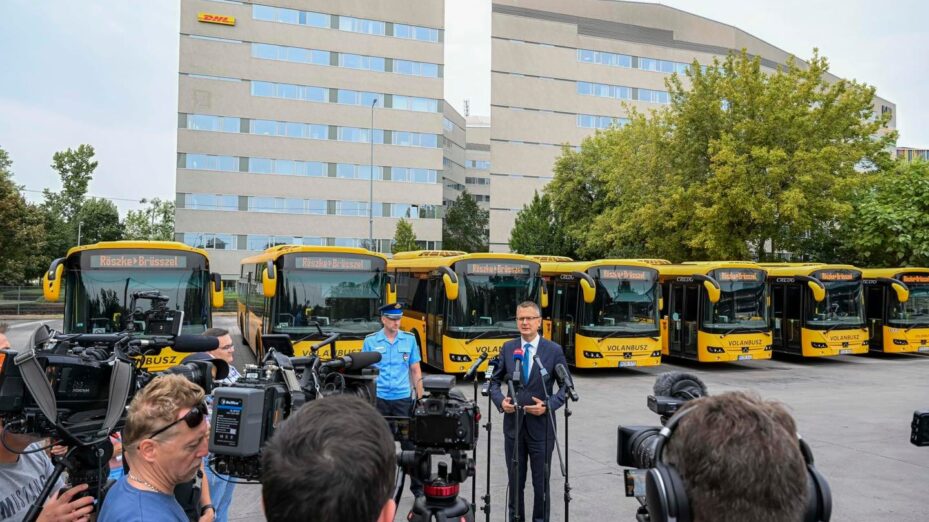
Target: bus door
{"x": 435, "y": 320}
{"x": 795, "y": 295}
{"x": 777, "y": 313}
{"x": 875, "y": 294}
{"x": 682, "y": 321}
{"x": 564, "y": 316}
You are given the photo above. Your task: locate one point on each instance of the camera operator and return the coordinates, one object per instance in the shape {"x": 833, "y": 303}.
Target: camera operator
{"x": 24, "y": 468}
{"x": 537, "y": 437}
{"x": 332, "y": 461}
{"x": 400, "y": 377}
{"x": 164, "y": 442}
{"x": 739, "y": 459}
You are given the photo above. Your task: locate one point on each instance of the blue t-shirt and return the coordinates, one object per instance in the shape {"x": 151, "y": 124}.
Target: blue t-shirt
{"x": 125, "y": 503}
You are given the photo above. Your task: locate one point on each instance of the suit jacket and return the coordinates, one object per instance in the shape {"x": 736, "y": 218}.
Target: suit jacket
{"x": 549, "y": 354}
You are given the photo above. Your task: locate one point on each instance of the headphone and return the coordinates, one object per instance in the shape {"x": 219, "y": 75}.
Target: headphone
{"x": 666, "y": 497}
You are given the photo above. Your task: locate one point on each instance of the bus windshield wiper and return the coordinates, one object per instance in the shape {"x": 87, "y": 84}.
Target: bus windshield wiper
{"x": 740, "y": 330}
{"x": 614, "y": 333}
{"x": 482, "y": 334}
{"x": 917, "y": 325}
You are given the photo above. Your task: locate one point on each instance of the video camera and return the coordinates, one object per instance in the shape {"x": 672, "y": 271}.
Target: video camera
{"x": 635, "y": 446}
{"x": 247, "y": 413}
{"x": 158, "y": 319}
{"x": 919, "y": 428}
{"x": 74, "y": 389}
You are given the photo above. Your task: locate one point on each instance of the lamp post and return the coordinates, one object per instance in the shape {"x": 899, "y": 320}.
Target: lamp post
{"x": 371, "y": 184}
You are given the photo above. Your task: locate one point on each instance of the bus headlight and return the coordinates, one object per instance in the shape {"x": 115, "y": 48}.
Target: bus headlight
{"x": 656, "y": 353}
{"x": 459, "y": 358}
{"x": 593, "y": 355}
{"x": 866, "y": 342}
{"x": 767, "y": 348}
{"x": 900, "y": 342}
{"x": 715, "y": 349}
{"x": 819, "y": 345}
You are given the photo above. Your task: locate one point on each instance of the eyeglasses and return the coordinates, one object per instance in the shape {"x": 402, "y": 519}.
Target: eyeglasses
{"x": 227, "y": 347}
{"x": 193, "y": 418}
{"x": 526, "y": 319}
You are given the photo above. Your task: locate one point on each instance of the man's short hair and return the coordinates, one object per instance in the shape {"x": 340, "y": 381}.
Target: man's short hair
{"x": 216, "y": 332}
{"x": 530, "y": 304}
{"x": 157, "y": 405}
{"x": 740, "y": 459}
{"x": 333, "y": 460}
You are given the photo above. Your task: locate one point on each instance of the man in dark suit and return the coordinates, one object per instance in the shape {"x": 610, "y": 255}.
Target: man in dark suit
{"x": 527, "y": 406}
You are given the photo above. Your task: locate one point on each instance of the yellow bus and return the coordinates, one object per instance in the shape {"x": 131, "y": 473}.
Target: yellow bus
{"x": 818, "y": 309}
{"x": 897, "y": 309}
{"x": 461, "y": 305}
{"x": 716, "y": 311}
{"x": 301, "y": 290}
{"x": 103, "y": 281}
{"x": 603, "y": 313}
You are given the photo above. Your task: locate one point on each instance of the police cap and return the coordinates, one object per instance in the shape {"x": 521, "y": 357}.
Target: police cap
{"x": 392, "y": 310}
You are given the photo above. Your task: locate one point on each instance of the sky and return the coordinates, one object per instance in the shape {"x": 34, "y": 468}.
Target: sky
{"x": 104, "y": 72}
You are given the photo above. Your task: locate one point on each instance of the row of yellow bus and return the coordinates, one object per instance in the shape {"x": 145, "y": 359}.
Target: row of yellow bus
{"x": 605, "y": 313}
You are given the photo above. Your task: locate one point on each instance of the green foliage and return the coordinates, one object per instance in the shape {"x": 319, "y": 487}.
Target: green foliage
{"x": 465, "y": 225}
{"x": 152, "y": 223}
{"x": 889, "y": 225}
{"x": 539, "y": 230}
{"x": 76, "y": 168}
{"x": 740, "y": 161}
{"x": 99, "y": 220}
{"x": 404, "y": 237}
{"x": 21, "y": 233}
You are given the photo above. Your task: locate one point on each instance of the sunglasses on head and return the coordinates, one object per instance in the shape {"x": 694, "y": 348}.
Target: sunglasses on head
{"x": 193, "y": 418}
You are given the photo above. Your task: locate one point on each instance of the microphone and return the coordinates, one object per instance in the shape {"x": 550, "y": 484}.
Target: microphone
{"x": 194, "y": 343}
{"x": 472, "y": 371}
{"x": 518, "y": 364}
{"x": 564, "y": 379}
{"x": 491, "y": 366}
{"x": 679, "y": 385}
{"x": 542, "y": 371}
{"x": 353, "y": 361}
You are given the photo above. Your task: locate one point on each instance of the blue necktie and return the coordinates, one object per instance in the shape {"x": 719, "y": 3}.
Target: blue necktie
{"x": 528, "y": 349}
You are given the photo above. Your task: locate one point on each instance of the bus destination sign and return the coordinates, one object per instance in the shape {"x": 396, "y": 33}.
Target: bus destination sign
{"x": 914, "y": 278}
{"x": 739, "y": 275}
{"x": 624, "y": 274}
{"x": 331, "y": 263}
{"x": 836, "y": 276}
{"x": 497, "y": 269}
{"x": 137, "y": 261}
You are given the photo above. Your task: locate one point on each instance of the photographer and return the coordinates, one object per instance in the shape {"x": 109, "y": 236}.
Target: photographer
{"x": 332, "y": 461}
{"x": 739, "y": 459}
{"x": 164, "y": 441}
{"x": 24, "y": 468}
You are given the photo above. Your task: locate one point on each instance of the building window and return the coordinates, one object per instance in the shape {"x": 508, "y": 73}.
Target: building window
{"x": 590, "y": 121}
{"x": 289, "y": 129}
{"x": 604, "y": 58}
{"x": 210, "y": 162}
{"x": 478, "y": 164}
{"x": 290, "y": 92}
{"x": 358, "y": 25}
{"x": 219, "y": 202}
{"x": 209, "y": 240}
{"x": 354, "y": 134}
{"x": 365, "y": 99}
{"x": 357, "y": 61}
{"x": 206, "y": 122}
{"x": 648, "y": 95}
{"x": 428, "y": 70}
{"x": 606, "y": 91}
{"x": 414, "y": 139}
{"x": 411, "y": 103}
{"x": 290, "y": 54}
{"x": 412, "y": 32}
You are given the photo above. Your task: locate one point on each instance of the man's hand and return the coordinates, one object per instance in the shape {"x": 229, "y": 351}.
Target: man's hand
{"x": 65, "y": 508}
{"x": 208, "y": 515}
{"x": 535, "y": 409}
{"x": 507, "y": 405}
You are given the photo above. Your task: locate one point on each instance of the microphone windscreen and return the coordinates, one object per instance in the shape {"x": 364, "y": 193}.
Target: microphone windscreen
{"x": 195, "y": 343}
{"x": 680, "y": 385}
{"x": 518, "y": 354}
{"x": 362, "y": 360}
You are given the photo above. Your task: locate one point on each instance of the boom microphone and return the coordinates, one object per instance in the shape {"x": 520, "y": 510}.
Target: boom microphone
{"x": 564, "y": 379}
{"x": 195, "y": 343}
{"x": 353, "y": 361}
{"x": 680, "y": 385}
{"x": 473, "y": 369}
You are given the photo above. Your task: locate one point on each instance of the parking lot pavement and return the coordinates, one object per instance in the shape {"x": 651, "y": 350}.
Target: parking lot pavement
{"x": 855, "y": 412}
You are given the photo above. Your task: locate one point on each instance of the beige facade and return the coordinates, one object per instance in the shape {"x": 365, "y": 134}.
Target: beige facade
{"x": 477, "y": 160}
{"x": 275, "y": 117}
{"x": 454, "y": 161}
{"x": 561, "y": 69}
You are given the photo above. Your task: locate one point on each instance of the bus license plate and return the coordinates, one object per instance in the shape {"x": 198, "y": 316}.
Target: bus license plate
{"x": 745, "y": 357}
{"x": 626, "y": 364}
{"x": 844, "y": 352}
{"x": 923, "y": 349}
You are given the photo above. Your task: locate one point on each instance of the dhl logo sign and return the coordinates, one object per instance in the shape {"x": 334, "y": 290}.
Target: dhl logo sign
{"x": 211, "y": 18}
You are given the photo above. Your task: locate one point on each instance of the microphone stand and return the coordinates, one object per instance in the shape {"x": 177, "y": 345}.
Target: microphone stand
{"x": 511, "y": 392}
{"x": 551, "y": 417}
{"x": 473, "y": 372}
{"x": 485, "y": 391}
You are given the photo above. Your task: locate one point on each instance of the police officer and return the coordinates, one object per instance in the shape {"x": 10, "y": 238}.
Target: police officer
{"x": 400, "y": 377}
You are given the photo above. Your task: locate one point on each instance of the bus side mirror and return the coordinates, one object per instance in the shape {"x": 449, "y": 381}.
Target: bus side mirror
{"x": 391, "y": 290}
{"x": 660, "y": 304}
{"x": 819, "y": 291}
{"x": 588, "y": 287}
{"x": 544, "y": 297}
{"x": 51, "y": 280}
{"x": 903, "y": 293}
{"x": 712, "y": 291}
{"x": 451, "y": 283}
{"x": 216, "y": 290}
{"x": 269, "y": 280}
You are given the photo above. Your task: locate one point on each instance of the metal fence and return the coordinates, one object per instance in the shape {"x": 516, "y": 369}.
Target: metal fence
{"x": 26, "y": 300}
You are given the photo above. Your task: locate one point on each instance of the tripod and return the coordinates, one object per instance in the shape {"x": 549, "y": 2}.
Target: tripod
{"x": 85, "y": 465}
{"x": 440, "y": 500}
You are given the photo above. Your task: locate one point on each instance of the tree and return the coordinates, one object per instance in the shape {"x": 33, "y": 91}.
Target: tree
{"x": 21, "y": 233}
{"x": 76, "y": 168}
{"x": 465, "y": 225}
{"x": 889, "y": 224}
{"x": 99, "y": 221}
{"x": 404, "y": 237}
{"x": 154, "y": 222}
{"x": 539, "y": 230}
{"x": 741, "y": 162}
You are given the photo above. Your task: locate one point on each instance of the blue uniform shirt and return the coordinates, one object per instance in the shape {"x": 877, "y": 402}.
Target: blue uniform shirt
{"x": 393, "y": 381}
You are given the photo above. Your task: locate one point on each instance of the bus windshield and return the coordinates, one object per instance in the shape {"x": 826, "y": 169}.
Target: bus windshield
{"x": 622, "y": 306}
{"x": 487, "y": 301}
{"x": 843, "y": 305}
{"x": 338, "y": 301}
{"x": 742, "y": 303}
{"x": 913, "y": 312}
{"x": 99, "y": 300}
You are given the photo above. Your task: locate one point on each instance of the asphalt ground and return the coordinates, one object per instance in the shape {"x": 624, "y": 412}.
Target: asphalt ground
{"x": 854, "y": 411}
